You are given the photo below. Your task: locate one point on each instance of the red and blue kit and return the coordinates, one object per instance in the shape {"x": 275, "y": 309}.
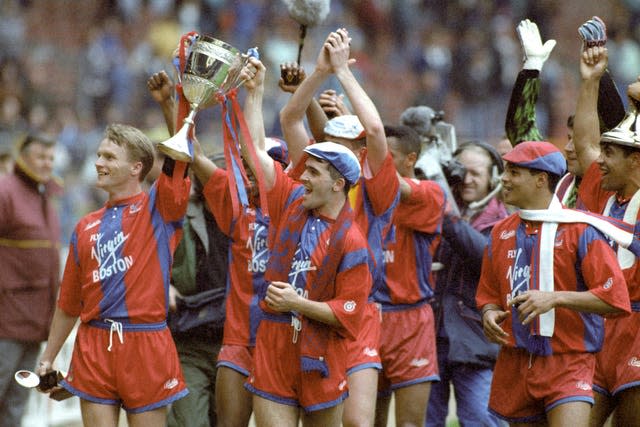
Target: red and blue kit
{"x": 409, "y": 247}
{"x": 409, "y": 354}
{"x": 301, "y": 372}
{"x": 617, "y": 364}
{"x": 374, "y": 200}
{"x": 248, "y": 257}
{"x": 116, "y": 280}
{"x": 582, "y": 262}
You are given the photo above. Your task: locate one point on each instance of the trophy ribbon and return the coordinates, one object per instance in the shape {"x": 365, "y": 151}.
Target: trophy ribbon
{"x": 233, "y": 120}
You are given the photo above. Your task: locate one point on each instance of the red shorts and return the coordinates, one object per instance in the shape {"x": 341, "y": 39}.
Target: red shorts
{"x": 277, "y": 375}
{"x": 408, "y": 353}
{"x": 236, "y": 357}
{"x": 525, "y": 387}
{"x": 618, "y": 363}
{"x": 141, "y": 373}
{"x": 364, "y": 351}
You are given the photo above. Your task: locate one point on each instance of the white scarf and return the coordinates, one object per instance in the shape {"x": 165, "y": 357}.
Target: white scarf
{"x": 550, "y": 219}
{"x": 625, "y": 257}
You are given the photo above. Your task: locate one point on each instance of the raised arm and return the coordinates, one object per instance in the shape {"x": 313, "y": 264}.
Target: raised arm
{"x": 292, "y": 75}
{"x": 520, "y": 124}
{"x": 586, "y": 125}
{"x": 293, "y": 113}
{"x": 161, "y": 89}
{"x": 253, "y": 75}
{"x": 337, "y": 45}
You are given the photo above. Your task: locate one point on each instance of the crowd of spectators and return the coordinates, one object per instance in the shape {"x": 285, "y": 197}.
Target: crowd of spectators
{"x": 68, "y": 68}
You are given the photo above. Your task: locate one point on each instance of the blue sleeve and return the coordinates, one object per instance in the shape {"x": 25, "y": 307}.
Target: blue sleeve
{"x": 463, "y": 238}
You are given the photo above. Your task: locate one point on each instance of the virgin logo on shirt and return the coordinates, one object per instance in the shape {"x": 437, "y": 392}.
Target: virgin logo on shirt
{"x": 257, "y": 244}
{"x": 299, "y": 266}
{"x": 518, "y": 273}
{"x": 105, "y": 253}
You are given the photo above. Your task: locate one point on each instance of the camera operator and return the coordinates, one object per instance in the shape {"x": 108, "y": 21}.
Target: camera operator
{"x": 465, "y": 357}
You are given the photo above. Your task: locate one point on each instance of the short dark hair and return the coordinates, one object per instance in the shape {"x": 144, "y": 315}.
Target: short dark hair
{"x": 626, "y": 150}
{"x": 407, "y": 137}
{"x": 334, "y": 174}
{"x": 552, "y": 178}
{"x": 32, "y": 138}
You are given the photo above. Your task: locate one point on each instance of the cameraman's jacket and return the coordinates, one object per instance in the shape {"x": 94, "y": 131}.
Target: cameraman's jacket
{"x": 457, "y": 317}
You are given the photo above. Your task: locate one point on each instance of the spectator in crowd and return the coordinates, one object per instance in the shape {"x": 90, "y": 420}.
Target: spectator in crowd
{"x": 547, "y": 278}
{"x": 116, "y": 280}
{"x": 30, "y": 264}
{"x": 465, "y": 357}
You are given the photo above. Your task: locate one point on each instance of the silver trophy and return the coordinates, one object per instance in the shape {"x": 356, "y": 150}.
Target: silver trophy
{"x": 213, "y": 67}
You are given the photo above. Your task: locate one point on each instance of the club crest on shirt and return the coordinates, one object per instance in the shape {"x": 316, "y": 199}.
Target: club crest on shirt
{"x": 349, "y": 306}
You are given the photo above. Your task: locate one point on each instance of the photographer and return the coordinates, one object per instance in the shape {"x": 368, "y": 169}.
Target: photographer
{"x": 465, "y": 357}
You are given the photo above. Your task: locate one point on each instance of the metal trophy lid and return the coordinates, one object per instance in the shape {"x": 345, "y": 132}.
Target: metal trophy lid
{"x": 27, "y": 379}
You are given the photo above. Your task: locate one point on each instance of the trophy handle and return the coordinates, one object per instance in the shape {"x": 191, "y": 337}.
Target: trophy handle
{"x": 178, "y": 147}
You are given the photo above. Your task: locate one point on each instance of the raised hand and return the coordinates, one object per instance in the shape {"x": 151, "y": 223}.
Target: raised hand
{"x": 333, "y": 104}
{"x": 535, "y": 53}
{"x": 253, "y": 74}
{"x": 593, "y": 33}
{"x": 291, "y": 75}
{"x": 338, "y": 47}
{"x": 593, "y": 62}
{"x": 160, "y": 87}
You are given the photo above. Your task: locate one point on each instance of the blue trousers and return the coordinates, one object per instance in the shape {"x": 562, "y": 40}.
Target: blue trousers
{"x": 471, "y": 387}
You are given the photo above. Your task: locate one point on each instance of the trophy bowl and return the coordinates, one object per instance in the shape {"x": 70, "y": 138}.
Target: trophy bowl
{"x": 213, "y": 67}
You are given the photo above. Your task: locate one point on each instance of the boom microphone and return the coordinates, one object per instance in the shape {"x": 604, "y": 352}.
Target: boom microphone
{"x": 308, "y": 13}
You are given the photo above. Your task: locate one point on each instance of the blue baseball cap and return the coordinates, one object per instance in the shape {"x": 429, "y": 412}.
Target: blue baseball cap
{"x": 339, "y": 156}
{"x": 277, "y": 149}
{"x": 540, "y": 155}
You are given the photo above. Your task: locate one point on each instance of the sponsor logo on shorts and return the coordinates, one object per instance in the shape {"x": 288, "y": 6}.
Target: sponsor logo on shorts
{"x": 349, "y": 306}
{"x": 371, "y": 352}
{"x": 507, "y": 234}
{"x": 583, "y": 385}
{"x": 342, "y": 385}
{"x": 635, "y": 362}
{"x": 173, "y": 382}
{"x": 419, "y": 362}
{"x": 608, "y": 283}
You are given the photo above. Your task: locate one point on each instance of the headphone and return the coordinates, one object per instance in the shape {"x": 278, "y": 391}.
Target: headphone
{"x": 497, "y": 166}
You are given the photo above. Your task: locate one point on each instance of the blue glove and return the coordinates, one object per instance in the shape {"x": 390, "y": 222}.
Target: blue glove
{"x": 593, "y": 32}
